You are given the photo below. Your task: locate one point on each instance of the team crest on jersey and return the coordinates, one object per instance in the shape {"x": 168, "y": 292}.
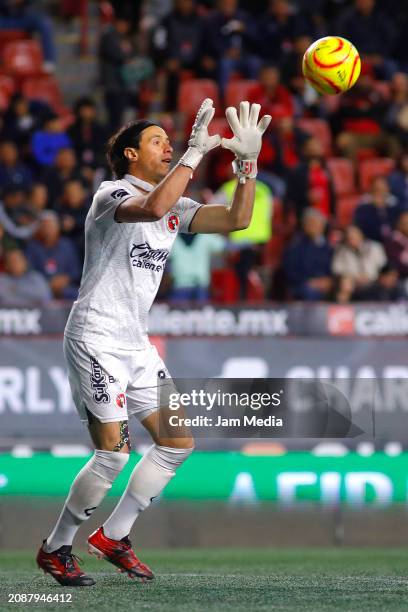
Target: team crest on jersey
{"x": 121, "y": 400}
{"x": 173, "y": 221}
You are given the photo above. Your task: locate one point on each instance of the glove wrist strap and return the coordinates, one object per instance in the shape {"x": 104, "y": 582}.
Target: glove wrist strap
{"x": 245, "y": 169}
{"x": 191, "y": 158}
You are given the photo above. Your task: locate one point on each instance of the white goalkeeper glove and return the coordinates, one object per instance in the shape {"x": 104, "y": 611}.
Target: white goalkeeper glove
{"x": 200, "y": 142}
{"x": 247, "y": 140}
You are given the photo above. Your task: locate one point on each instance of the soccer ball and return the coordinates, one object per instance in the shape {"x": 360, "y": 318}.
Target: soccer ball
{"x": 331, "y": 65}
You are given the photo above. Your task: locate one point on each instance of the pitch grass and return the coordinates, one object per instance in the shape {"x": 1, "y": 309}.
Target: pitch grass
{"x": 234, "y": 580}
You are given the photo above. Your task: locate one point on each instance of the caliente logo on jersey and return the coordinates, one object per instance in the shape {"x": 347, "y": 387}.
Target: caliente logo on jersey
{"x": 143, "y": 256}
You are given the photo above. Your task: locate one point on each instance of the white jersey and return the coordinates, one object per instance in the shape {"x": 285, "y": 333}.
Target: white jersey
{"x": 123, "y": 266}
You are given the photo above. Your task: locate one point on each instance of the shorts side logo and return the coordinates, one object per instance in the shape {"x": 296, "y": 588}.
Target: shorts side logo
{"x": 98, "y": 382}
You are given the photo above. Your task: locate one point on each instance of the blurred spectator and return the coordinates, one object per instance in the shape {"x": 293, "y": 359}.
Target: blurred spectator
{"x": 230, "y": 40}
{"x": 38, "y": 198}
{"x": 190, "y": 262}
{"x": 397, "y": 249}
{"x": 378, "y": 211}
{"x": 306, "y": 98}
{"x": 310, "y": 183}
{"x": 47, "y": 141}
{"x": 20, "y": 286}
{"x": 360, "y": 119}
{"x": 12, "y": 170}
{"x": 64, "y": 168}
{"x": 178, "y": 43}
{"x": 307, "y": 259}
{"x": 6, "y": 242}
{"x": 269, "y": 92}
{"x": 21, "y": 119}
{"x": 396, "y": 118}
{"x": 373, "y": 32}
{"x": 278, "y": 27}
{"x": 115, "y": 50}
{"x": 73, "y": 209}
{"x": 87, "y": 134}
{"x": 15, "y": 214}
{"x": 248, "y": 243}
{"x": 18, "y": 15}
{"x": 398, "y": 181}
{"x": 359, "y": 265}
{"x": 55, "y": 257}
{"x": 281, "y": 151}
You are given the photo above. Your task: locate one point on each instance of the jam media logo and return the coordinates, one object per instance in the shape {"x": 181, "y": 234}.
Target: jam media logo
{"x": 173, "y": 221}
{"x": 98, "y": 383}
{"x": 340, "y": 320}
{"x": 143, "y": 256}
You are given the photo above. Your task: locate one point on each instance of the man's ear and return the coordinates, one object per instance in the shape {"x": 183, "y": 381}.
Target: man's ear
{"x": 131, "y": 154}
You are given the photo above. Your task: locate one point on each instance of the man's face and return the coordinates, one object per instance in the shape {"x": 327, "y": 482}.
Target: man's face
{"x": 313, "y": 226}
{"x": 15, "y": 263}
{"x": 403, "y": 223}
{"x": 153, "y": 155}
{"x": 8, "y": 153}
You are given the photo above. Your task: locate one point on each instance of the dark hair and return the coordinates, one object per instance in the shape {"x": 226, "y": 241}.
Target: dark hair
{"x": 128, "y": 136}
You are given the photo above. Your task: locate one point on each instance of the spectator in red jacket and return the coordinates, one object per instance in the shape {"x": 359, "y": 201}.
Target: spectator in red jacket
{"x": 310, "y": 184}
{"x": 360, "y": 120}
{"x": 269, "y": 92}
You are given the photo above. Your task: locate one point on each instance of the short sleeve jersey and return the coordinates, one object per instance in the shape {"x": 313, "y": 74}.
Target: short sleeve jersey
{"x": 123, "y": 267}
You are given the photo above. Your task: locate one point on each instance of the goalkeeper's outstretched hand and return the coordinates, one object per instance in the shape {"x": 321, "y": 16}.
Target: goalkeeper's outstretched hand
{"x": 247, "y": 140}
{"x": 200, "y": 142}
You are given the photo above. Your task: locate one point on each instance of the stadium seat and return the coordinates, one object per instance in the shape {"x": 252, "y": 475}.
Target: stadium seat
{"x": 45, "y": 89}
{"x": 224, "y": 286}
{"x": 7, "y": 36}
{"x": 346, "y": 206}
{"x": 320, "y": 129}
{"x": 192, "y": 93}
{"x": 23, "y": 58}
{"x": 273, "y": 250}
{"x": 7, "y": 88}
{"x": 237, "y": 91}
{"x": 342, "y": 172}
{"x": 219, "y": 125}
{"x": 369, "y": 168}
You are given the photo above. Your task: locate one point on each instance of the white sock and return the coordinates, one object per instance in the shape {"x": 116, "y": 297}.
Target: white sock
{"x": 148, "y": 479}
{"x": 86, "y": 493}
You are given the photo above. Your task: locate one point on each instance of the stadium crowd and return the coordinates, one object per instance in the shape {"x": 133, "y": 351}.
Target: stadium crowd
{"x": 331, "y": 209}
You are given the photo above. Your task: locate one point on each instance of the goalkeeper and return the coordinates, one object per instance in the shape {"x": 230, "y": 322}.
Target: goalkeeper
{"x": 113, "y": 369}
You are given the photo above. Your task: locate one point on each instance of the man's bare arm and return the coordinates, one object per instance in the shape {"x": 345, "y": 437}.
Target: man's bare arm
{"x": 215, "y": 218}
{"x": 158, "y": 202}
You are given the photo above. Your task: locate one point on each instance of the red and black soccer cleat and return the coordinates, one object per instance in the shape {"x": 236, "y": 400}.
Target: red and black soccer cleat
{"x": 120, "y": 553}
{"x": 63, "y": 566}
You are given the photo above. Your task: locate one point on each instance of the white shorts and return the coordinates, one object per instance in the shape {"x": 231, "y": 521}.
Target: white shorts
{"x": 113, "y": 384}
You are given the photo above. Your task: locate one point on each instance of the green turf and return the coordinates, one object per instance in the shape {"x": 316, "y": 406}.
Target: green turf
{"x": 230, "y": 579}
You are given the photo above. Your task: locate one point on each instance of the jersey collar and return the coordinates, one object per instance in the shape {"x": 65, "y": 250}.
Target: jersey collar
{"x": 138, "y": 182}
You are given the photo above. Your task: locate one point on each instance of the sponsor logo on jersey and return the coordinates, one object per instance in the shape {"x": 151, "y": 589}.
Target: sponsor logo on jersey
{"x": 98, "y": 382}
{"x": 121, "y": 400}
{"x": 119, "y": 193}
{"x": 173, "y": 221}
{"x": 143, "y": 256}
